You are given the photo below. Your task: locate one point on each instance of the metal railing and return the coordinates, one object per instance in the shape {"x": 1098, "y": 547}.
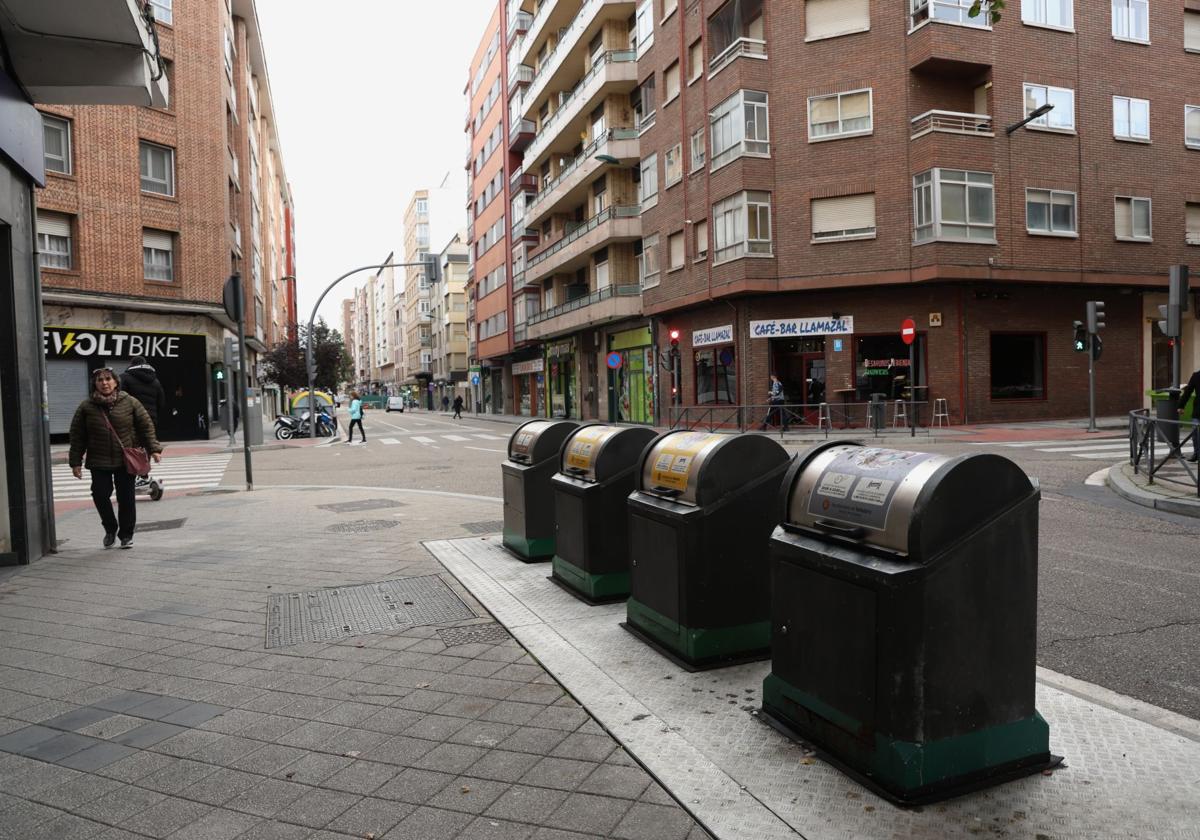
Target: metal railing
{"x": 742, "y": 46}
{"x": 583, "y": 228}
{"x": 573, "y": 97}
{"x": 954, "y": 122}
{"x": 519, "y": 74}
{"x": 625, "y": 290}
{"x": 589, "y": 152}
{"x": 877, "y": 418}
{"x": 1152, "y": 437}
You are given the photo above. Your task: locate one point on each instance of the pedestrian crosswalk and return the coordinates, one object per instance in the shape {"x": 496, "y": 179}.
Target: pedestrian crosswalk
{"x": 186, "y": 472}
{"x": 429, "y": 439}
{"x": 1093, "y": 449}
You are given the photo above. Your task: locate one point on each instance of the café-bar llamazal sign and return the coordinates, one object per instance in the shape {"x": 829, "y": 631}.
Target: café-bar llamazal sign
{"x": 800, "y": 327}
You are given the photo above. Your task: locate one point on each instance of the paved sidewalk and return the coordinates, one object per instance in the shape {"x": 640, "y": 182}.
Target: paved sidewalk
{"x": 1173, "y": 489}
{"x": 140, "y": 698}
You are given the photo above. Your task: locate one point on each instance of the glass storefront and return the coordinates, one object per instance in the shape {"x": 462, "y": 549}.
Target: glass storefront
{"x": 631, "y": 382}
{"x": 716, "y": 376}
{"x": 528, "y": 387}
{"x": 800, "y": 365}
{"x": 560, "y": 379}
{"x": 881, "y": 367}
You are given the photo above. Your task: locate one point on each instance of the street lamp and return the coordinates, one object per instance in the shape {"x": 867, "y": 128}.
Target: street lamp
{"x": 1039, "y": 111}
{"x": 608, "y": 159}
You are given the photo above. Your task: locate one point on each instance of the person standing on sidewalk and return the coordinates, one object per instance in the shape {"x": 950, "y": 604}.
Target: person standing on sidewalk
{"x": 1192, "y": 387}
{"x": 775, "y": 401}
{"x": 458, "y": 405}
{"x": 356, "y": 417}
{"x": 104, "y": 424}
{"x": 140, "y": 381}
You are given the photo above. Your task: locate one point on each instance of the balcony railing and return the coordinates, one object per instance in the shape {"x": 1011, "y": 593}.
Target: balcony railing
{"x": 518, "y": 24}
{"x": 518, "y": 332}
{"x": 522, "y": 182}
{"x": 625, "y": 290}
{"x": 521, "y": 134}
{"x": 536, "y": 23}
{"x": 589, "y": 152}
{"x": 950, "y": 11}
{"x": 521, "y": 74}
{"x": 953, "y": 122}
{"x": 753, "y": 47}
{"x": 612, "y": 57}
{"x": 646, "y": 122}
{"x": 567, "y": 37}
{"x": 580, "y": 229}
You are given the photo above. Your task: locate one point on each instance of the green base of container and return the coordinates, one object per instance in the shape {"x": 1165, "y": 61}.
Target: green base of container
{"x": 610, "y": 586}
{"x": 530, "y": 551}
{"x": 700, "y": 647}
{"x": 911, "y": 773}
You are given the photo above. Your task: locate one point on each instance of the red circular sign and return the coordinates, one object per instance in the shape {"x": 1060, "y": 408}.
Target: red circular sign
{"x": 908, "y": 330}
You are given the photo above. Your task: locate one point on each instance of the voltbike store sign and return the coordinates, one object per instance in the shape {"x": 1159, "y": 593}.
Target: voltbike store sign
{"x": 74, "y": 343}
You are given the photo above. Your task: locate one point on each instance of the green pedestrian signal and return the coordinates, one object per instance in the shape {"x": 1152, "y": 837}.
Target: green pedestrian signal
{"x": 220, "y": 375}
{"x": 1081, "y": 341}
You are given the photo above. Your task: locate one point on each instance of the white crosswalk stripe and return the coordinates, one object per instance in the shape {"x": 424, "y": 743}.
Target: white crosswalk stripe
{"x": 425, "y": 440}
{"x": 489, "y": 437}
{"x": 455, "y": 438}
{"x": 187, "y": 472}
{"x": 1093, "y": 449}
{"x": 388, "y": 441}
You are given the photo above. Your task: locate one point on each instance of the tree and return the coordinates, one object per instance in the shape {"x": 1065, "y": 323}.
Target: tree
{"x": 284, "y": 363}
{"x": 992, "y": 8}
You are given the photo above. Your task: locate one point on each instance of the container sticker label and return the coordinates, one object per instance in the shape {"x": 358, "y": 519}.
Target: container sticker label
{"x": 836, "y": 485}
{"x": 585, "y": 445}
{"x": 859, "y": 484}
{"x": 673, "y": 463}
{"x": 873, "y": 491}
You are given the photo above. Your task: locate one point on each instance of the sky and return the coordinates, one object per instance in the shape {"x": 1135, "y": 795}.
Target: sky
{"x": 369, "y": 106}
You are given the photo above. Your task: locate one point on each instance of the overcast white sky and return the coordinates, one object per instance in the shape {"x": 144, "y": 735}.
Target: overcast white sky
{"x": 369, "y": 103}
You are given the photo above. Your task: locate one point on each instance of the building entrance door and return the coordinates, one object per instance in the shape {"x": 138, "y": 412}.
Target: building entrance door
{"x": 800, "y": 366}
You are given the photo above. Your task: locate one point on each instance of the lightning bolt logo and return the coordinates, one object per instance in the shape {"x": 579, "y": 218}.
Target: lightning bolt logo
{"x": 68, "y": 343}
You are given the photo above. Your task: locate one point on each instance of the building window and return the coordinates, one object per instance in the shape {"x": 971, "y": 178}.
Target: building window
{"x": 648, "y": 262}
{"x": 954, "y": 204}
{"x": 1133, "y": 218}
{"x": 54, "y": 240}
{"x": 648, "y": 184}
{"x": 843, "y": 217}
{"x": 158, "y": 255}
{"x": 740, "y": 127}
{"x": 1062, "y": 117}
{"x": 1018, "y": 366}
{"x": 669, "y": 7}
{"x": 1193, "y": 223}
{"x": 675, "y": 250}
{"x": 1191, "y": 30}
{"x": 700, "y": 235}
{"x": 1131, "y": 20}
{"x": 742, "y": 225}
{"x": 671, "y": 82}
{"x": 422, "y": 207}
{"x": 950, "y": 11}
{"x": 56, "y": 135}
{"x": 158, "y": 168}
{"x": 1191, "y": 125}
{"x": 716, "y": 376}
{"x": 1131, "y": 118}
{"x": 645, "y": 26}
{"x": 695, "y": 61}
{"x": 161, "y": 9}
{"x": 1050, "y": 212}
{"x": 839, "y": 115}
{"x": 697, "y": 149}
{"x": 739, "y": 23}
{"x": 881, "y": 366}
{"x": 673, "y": 165}
{"x": 1055, "y": 13}
{"x": 830, "y": 18}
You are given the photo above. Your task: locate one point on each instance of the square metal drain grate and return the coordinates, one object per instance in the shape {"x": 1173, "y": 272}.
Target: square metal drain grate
{"x": 324, "y": 615}
{"x": 493, "y": 526}
{"x": 160, "y": 525}
{"x": 485, "y": 634}
{"x": 361, "y": 526}
{"x": 360, "y": 505}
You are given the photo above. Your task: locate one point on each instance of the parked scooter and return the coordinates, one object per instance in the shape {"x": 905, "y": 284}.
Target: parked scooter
{"x": 288, "y": 427}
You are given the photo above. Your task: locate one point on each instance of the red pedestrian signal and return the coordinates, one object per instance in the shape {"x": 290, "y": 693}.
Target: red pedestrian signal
{"x": 674, "y": 339}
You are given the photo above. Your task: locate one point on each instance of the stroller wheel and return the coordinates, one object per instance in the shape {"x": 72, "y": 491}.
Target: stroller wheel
{"x": 156, "y": 491}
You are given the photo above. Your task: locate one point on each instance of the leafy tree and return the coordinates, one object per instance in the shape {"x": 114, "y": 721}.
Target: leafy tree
{"x": 284, "y": 362}
{"x": 992, "y": 9}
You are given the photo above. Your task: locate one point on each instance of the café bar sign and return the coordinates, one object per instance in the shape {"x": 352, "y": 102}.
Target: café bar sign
{"x": 712, "y": 335}
{"x": 531, "y": 366}
{"x": 800, "y": 327}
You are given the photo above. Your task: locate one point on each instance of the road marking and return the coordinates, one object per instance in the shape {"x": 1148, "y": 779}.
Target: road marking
{"x": 1099, "y": 478}
{"x": 1089, "y": 447}
{"x": 388, "y": 441}
{"x": 187, "y": 472}
{"x": 489, "y": 437}
{"x": 481, "y": 449}
{"x": 1098, "y": 456}
{"x": 1060, "y": 442}
{"x": 455, "y": 438}
{"x": 425, "y": 440}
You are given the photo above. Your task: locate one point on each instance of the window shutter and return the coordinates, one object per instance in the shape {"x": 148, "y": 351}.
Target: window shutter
{"x": 1191, "y": 30}
{"x": 825, "y": 110}
{"x": 1192, "y": 123}
{"x": 827, "y": 18}
{"x": 1124, "y": 217}
{"x": 676, "y": 241}
{"x": 1193, "y": 224}
{"x": 846, "y": 212}
{"x": 701, "y": 231}
{"x": 856, "y": 105}
{"x": 157, "y": 239}
{"x": 54, "y": 224}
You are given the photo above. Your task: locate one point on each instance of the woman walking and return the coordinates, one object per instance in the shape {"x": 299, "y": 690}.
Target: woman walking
{"x": 104, "y": 425}
{"x": 356, "y": 417}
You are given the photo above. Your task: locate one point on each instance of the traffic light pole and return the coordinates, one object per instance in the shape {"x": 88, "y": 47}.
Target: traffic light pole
{"x": 1091, "y": 351}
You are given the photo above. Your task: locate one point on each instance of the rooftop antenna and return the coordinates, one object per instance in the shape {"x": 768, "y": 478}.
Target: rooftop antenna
{"x": 444, "y": 180}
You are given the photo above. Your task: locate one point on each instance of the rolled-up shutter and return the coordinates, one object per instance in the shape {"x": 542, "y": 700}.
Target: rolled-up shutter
{"x": 1124, "y": 217}
{"x": 54, "y": 224}
{"x": 827, "y": 18}
{"x": 1191, "y": 30}
{"x": 66, "y": 387}
{"x": 157, "y": 239}
{"x": 1193, "y": 224}
{"x": 845, "y": 215}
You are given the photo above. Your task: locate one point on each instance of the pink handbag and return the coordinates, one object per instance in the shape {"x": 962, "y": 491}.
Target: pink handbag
{"x": 137, "y": 462}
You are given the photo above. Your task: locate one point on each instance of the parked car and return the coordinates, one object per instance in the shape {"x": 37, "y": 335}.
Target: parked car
{"x": 395, "y": 404}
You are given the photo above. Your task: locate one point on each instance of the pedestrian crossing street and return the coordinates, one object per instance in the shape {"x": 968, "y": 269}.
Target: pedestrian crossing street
{"x": 185, "y": 472}
{"x": 427, "y": 440}
{"x": 1093, "y": 449}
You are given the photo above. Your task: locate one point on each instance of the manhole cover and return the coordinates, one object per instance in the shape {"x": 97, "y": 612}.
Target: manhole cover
{"x": 361, "y": 526}
{"x": 161, "y": 525}
{"x": 434, "y": 467}
{"x": 475, "y": 633}
{"x": 490, "y": 527}
{"x": 328, "y": 614}
{"x": 362, "y": 504}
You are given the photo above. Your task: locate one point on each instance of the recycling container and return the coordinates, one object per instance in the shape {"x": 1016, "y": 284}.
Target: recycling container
{"x": 528, "y": 501}
{"x": 699, "y": 525}
{"x": 598, "y": 471}
{"x": 904, "y": 618}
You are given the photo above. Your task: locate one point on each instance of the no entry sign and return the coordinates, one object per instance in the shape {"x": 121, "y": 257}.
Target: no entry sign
{"x": 908, "y": 330}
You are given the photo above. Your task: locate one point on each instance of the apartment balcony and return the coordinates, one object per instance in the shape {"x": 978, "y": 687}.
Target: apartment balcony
{"x": 553, "y": 16}
{"x": 614, "y": 224}
{"x": 613, "y": 72}
{"x": 952, "y": 122}
{"x": 943, "y": 40}
{"x": 519, "y": 333}
{"x": 571, "y": 185}
{"x": 612, "y": 303}
{"x": 519, "y": 76}
{"x": 518, "y": 25}
{"x": 521, "y": 182}
{"x": 753, "y": 48}
{"x": 521, "y": 134}
{"x": 524, "y": 237}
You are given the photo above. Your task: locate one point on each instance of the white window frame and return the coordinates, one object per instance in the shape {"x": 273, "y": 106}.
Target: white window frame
{"x": 928, "y": 11}
{"x": 1037, "y": 13}
{"x": 64, "y": 128}
{"x": 649, "y": 268}
{"x": 1050, "y": 229}
{"x": 698, "y": 150}
{"x": 1046, "y": 94}
{"x": 840, "y": 235}
{"x": 675, "y": 153}
{"x": 167, "y": 183}
{"x": 841, "y": 131}
{"x": 648, "y": 178}
{"x": 645, "y": 26}
{"x": 1134, "y": 200}
{"x": 55, "y": 251}
{"x": 927, "y": 206}
{"x": 731, "y": 226}
{"x": 1123, "y": 20}
{"x": 153, "y": 261}
{"x": 728, "y": 121}
{"x": 162, "y": 11}
{"x": 1128, "y": 102}
{"x": 1191, "y": 141}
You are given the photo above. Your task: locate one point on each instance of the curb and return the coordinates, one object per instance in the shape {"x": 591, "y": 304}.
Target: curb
{"x": 1125, "y": 487}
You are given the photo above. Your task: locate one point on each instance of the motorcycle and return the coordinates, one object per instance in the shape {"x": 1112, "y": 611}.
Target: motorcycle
{"x": 287, "y": 427}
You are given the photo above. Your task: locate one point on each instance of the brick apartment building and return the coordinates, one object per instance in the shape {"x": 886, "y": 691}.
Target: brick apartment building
{"x": 830, "y": 168}
{"x": 147, "y": 211}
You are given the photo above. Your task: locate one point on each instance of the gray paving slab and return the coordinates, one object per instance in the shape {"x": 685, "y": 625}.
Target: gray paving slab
{"x": 96, "y": 757}
{"x": 65, "y": 744}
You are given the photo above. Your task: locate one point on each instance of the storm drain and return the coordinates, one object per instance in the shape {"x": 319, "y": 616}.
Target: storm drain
{"x": 325, "y": 615}
{"x": 361, "y": 526}
{"x": 493, "y": 526}
{"x": 485, "y": 634}
{"x": 361, "y": 505}
{"x": 160, "y": 525}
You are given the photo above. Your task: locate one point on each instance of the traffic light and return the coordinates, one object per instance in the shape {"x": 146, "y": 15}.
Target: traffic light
{"x": 432, "y": 269}
{"x": 1095, "y": 316}
{"x": 1080, "y": 337}
{"x": 1171, "y": 321}
{"x": 220, "y": 375}
{"x": 1097, "y": 346}
{"x": 1169, "y": 318}
{"x": 674, "y": 339}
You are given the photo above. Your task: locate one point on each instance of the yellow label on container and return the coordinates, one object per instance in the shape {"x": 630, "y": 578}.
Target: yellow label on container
{"x": 673, "y": 461}
{"x": 585, "y": 445}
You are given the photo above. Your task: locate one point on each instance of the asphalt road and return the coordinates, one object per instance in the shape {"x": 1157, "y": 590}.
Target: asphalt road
{"x": 1119, "y": 593}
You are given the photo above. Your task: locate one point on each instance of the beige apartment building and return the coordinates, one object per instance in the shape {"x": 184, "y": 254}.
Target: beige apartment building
{"x": 147, "y": 210}
{"x": 448, "y": 327}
